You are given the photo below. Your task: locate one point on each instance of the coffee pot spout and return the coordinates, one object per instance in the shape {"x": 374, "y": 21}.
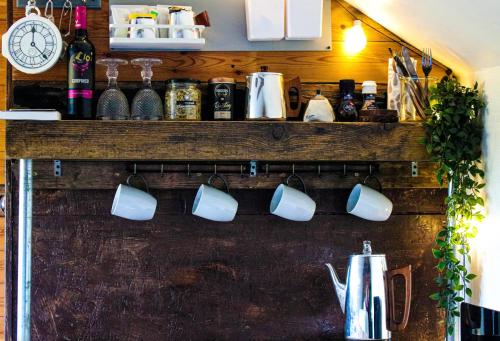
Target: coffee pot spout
{"x": 340, "y": 287}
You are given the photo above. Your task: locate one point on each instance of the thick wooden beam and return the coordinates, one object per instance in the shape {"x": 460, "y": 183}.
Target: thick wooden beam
{"x": 215, "y": 141}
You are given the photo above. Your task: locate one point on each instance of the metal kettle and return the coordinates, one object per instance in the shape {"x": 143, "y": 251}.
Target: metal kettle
{"x": 265, "y": 96}
{"x": 367, "y": 298}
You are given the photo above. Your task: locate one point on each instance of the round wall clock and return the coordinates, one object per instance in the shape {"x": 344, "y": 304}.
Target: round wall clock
{"x": 32, "y": 44}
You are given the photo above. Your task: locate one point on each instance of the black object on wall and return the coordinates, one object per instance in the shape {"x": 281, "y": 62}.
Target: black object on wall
{"x": 479, "y": 324}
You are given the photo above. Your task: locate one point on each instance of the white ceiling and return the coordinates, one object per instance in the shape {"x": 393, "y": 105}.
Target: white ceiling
{"x": 463, "y": 34}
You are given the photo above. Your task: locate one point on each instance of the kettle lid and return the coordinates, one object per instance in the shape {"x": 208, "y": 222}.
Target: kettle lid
{"x": 367, "y": 250}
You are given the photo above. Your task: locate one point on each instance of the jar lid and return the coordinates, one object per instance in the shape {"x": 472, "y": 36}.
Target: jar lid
{"x": 369, "y": 87}
{"x": 221, "y": 80}
{"x": 347, "y": 85}
{"x": 182, "y": 81}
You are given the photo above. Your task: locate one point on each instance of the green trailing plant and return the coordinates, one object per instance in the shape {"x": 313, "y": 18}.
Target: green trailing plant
{"x": 453, "y": 139}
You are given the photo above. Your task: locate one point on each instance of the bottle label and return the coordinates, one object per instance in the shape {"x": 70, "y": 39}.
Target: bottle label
{"x": 88, "y": 94}
{"x": 81, "y": 73}
{"x": 223, "y": 101}
{"x": 369, "y": 102}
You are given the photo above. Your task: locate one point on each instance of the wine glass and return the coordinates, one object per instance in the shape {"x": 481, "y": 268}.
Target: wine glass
{"x": 147, "y": 104}
{"x": 112, "y": 105}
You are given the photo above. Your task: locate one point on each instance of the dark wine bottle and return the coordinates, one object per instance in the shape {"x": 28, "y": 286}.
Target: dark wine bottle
{"x": 81, "y": 70}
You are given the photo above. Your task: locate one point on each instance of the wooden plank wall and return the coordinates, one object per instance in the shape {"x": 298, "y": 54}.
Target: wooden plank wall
{"x": 178, "y": 277}
{"x": 66, "y": 220}
{"x": 3, "y": 100}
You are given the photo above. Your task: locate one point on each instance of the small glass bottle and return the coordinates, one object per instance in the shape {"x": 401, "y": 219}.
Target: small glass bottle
{"x": 347, "y": 109}
{"x": 369, "y": 95}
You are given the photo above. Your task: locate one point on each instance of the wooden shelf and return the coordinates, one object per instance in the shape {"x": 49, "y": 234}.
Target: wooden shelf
{"x": 214, "y": 141}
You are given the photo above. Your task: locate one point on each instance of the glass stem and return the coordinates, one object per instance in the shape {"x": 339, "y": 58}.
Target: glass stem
{"x": 112, "y": 83}
{"x": 146, "y": 82}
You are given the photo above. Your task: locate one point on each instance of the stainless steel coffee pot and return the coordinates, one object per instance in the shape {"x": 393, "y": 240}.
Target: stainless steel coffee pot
{"x": 265, "y": 96}
{"x": 367, "y": 298}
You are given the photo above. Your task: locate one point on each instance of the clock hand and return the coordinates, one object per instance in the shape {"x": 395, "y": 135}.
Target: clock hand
{"x": 33, "y": 30}
{"x": 43, "y": 54}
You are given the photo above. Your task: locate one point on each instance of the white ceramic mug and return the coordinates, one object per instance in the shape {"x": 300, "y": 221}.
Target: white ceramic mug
{"x": 292, "y": 204}
{"x": 213, "y": 204}
{"x": 132, "y": 203}
{"x": 369, "y": 204}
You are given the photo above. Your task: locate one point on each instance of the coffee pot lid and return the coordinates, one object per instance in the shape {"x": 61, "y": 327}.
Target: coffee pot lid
{"x": 367, "y": 250}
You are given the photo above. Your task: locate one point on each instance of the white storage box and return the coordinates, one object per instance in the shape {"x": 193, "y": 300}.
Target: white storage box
{"x": 304, "y": 19}
{"x": 265, "y": 19}
{"x": 119, "y": 29}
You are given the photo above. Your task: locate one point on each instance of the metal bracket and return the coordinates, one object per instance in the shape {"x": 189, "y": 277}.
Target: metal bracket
{"x": 57, "y": 168}
{"x": 253, "y": 169}
{"x": 414, "y": 169}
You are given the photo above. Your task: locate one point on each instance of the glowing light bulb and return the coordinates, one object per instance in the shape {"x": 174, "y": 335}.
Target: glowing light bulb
{"x": 355, "y": 39}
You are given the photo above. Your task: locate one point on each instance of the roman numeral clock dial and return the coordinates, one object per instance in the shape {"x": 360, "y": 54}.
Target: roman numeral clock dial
{"x": 32, "y": 44}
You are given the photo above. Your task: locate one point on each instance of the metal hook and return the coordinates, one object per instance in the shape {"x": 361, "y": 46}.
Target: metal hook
{"x": 267, "y": 169}
{"x": 293, "y": 168}
{"x": 188, "y": 170}
{"x": 241, "y": 171}
{"x": 184, "y": 201}
{"x": 135, "y": 168}
{"x": 345, "y": 169}
{"x": 371, "y": 170}
{"x": 162, "y": 173}
{"x": 67, "y": 10}
{"x": 49, "y": 10}
{"x": 319, "y": 170}
{"x": 215, "y": 169}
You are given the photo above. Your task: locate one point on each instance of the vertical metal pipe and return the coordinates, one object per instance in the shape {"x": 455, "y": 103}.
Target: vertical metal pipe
{"x": 456, "y": 320}
{"x": 24, "y": 250}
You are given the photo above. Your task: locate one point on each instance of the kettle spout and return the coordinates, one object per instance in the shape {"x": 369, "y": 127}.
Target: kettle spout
{"x": 340, "y": 287}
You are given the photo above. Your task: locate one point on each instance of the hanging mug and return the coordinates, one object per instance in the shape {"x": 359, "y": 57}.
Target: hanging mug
{"x": 292, "y": 204}
{"x": 368, "y": 203}
{"x": 132, "y": 203}
{"x": 213, "y": 204}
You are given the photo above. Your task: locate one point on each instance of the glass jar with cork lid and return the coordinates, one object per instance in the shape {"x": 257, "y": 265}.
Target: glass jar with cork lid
{"x": 183, "y": 100}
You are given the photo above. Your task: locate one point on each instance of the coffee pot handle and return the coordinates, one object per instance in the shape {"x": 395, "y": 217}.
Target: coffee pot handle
{"x": 405, "y": 272}
{"x": 293, "y": 86}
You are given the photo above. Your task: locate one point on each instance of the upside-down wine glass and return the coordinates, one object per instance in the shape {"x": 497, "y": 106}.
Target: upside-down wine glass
{"x": 112, "y": 105}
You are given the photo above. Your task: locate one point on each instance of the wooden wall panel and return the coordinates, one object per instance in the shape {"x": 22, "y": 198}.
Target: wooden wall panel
{"x": 257, "y": 260}
{"x": 3, "y": 106}
{"x": 178, "y": 277}
{"x": 310, "y": 66}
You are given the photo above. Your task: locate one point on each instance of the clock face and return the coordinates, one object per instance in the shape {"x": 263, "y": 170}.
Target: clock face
{"x": 33, "y": 44}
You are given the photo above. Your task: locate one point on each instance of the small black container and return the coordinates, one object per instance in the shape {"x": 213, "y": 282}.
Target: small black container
{"x": 221, "y": 98}
{"x": 347, "y": 110}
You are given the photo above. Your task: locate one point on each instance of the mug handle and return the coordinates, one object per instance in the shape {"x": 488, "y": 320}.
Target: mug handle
{"x": 405, "y": 272}
{"x": 140, "y": 177}
{"x": 220, "y": 177}
{"x": 371, "y": 176}
{"x": 287, "y": 182}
